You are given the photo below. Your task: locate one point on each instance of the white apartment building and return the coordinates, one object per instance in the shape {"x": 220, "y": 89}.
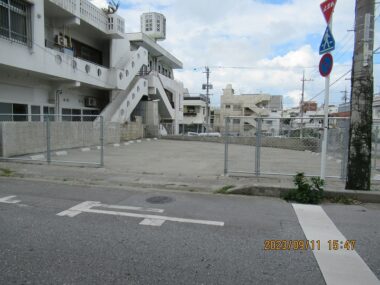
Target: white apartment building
{"x": 195, "y": 114}
{"x": 69, "y": 57}
{"x": 248, "y": 107}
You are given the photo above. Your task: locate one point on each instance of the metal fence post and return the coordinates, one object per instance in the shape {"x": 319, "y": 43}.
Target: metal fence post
{"x": 258, "y": 146}
{"x": 376, "y": 136}
{"x": 101, "y": 141}
{"x": 346, "y": 129}
{"x": 48, "y": 140}
{"x": 226, "y": 137}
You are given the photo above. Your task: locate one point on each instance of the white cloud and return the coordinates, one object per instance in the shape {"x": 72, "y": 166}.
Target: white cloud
{"x": 278, "y": 40}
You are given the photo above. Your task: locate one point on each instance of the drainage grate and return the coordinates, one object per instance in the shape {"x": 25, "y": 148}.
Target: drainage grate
{"x": 159, "y": 200}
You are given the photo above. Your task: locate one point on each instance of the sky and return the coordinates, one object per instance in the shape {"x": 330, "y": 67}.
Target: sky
{"x": 258, "y": 46}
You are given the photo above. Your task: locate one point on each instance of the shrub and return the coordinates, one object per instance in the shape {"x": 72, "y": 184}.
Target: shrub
{"x": 308, "y": 191}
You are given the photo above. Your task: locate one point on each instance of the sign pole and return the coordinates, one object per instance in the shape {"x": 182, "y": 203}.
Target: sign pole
{"x": 325, "y": 121}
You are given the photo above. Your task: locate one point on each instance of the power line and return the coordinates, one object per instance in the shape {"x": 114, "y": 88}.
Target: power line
{"x": 332, "y": 84}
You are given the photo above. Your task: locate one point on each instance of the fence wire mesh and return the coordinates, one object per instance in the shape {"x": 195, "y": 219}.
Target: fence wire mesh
{"x": 284, "y": 146}
{"x": 75, "y": 139}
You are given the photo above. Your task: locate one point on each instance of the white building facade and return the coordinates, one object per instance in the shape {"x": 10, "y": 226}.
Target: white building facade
{"x": 195, "y": 114}
{"x": 70, "y": 58}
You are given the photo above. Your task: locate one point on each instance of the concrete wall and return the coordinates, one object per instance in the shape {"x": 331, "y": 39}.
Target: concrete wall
{"x": 132, "y": 131}
{"x": 284, "y": 143}
{"x": 20, "y": 138}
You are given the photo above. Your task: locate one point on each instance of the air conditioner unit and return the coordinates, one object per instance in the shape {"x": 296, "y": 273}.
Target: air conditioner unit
{"x": 90, "y": 102}
{"x": 61, "y": 40}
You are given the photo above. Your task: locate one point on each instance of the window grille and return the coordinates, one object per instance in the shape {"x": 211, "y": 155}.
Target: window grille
{"x": 15, "y": 21}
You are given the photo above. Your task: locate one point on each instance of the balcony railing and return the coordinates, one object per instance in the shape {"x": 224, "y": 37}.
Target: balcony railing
{"x": 91, "y": 14}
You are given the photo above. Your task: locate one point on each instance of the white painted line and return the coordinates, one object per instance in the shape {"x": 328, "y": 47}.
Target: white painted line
{"x": 152, "y": 222}
{"x": 139, "y": 141}
{"x": 132, "y": 142}
{"x": 155, "y": 139}
{"x": 148, "y": 140}
{"x": 9, "y": 200}
{"x": 116, "y": 145}
{"x": 120, "y": 207}
{"x": 61, "y": 153}
{"x": 172, "y": 219}
{"x": 86, "y": 207}
{"x": 98, "y": 147}
{"x": 85, "y": 149}
{"x": 337, "y": 267}
{"x": 126, "y": 144}
{"x": 78, "y": 209}
{"x": 37, "y": 157}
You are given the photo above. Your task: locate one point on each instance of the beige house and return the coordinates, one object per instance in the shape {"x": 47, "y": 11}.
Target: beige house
{"x": 246, "y": 108}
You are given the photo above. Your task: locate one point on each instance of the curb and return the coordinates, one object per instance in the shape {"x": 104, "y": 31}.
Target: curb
{"x": 361, "y": 196}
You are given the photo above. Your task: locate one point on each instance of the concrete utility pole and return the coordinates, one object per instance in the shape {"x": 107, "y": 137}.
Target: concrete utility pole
{"x": 360, "y": 143}
{"x": 207, "y": 87}
{"x": 345, "y": 96}
{"x": 303, "y": 101}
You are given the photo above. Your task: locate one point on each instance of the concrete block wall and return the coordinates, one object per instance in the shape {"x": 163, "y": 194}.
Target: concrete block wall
{"x": 310, "y": 144}
{"x": 132, "y": 131}
{"x": 20, "y": 138}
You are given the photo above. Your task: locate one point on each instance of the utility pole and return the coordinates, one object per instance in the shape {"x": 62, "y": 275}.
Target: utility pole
{"x": 207, "y": 87}
{"x": 302, "y": 101}
{"x": 360, "y": 143}
{"x": 345, "y": 96}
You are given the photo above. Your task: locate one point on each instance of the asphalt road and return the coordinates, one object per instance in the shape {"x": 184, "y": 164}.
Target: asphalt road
{"x": 165, "y": 241}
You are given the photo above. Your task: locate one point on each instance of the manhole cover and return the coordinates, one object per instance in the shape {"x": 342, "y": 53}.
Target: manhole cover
{"x": 159, "y": 200}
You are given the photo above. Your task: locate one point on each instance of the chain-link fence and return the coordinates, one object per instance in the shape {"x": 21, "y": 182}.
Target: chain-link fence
{"x": 74, "y": 139}
{"x": 284, "y": 146}
{"x": 376, "y": 150}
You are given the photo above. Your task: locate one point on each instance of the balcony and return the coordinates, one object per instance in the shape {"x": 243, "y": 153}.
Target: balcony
{"x": 110, "y": 24}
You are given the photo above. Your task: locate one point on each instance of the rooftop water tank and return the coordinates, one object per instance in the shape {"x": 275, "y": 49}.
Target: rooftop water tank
{"x": 154, "y": 25}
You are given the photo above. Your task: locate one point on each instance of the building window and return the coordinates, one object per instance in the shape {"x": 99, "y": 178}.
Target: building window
{"x": 13, "y": 112}
{"x": 236, "y": 121}
{"x": 237, "y": 107}
{"x": 36, "y": 113}
{"x": 49, "y": 113}
{"x": 15, "y": 21}
{"x": 228, "y": 106}
{"x": 71, "y": 115}
{"x": 5, "y": 112}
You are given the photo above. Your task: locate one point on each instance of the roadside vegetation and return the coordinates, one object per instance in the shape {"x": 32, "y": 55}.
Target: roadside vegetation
{"x": 307, "y": 191}
{"x": 224, "y": 190}
{"x": 6, "y": 172}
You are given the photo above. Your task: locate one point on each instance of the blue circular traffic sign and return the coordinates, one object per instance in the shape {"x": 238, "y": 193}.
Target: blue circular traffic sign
{"x": 326, "y": 65}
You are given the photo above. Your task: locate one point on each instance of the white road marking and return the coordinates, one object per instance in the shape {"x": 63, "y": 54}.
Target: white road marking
{"x": 155, "y": 139}
{"x": 87, "y": 207}
{"x": 165, "y": 218}
{"x": 139, "y": 141}
{"x": 37, "y": 157}
{"x": 337, "y": 267}
{"x": 9, "y": 200}
{"x": 116, "y": 145}
{"x": 148, "y": 140}
{"x": 85, "y": 149}
{"x": 131, "y": 208}
{"x": 132, "y": 142}
{"x": 126, "y": 143}
{"x": 98, "y": 147}
{"x": 61, "y": 153}
{"x": 152, "y": 222}
{"x": 78, "y": 209}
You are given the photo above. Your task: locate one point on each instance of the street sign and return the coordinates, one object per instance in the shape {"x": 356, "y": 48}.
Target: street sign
{"x": 328, "y": 42}
{"x": 327, "y": 8}
{"x": 326, "y": 65}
